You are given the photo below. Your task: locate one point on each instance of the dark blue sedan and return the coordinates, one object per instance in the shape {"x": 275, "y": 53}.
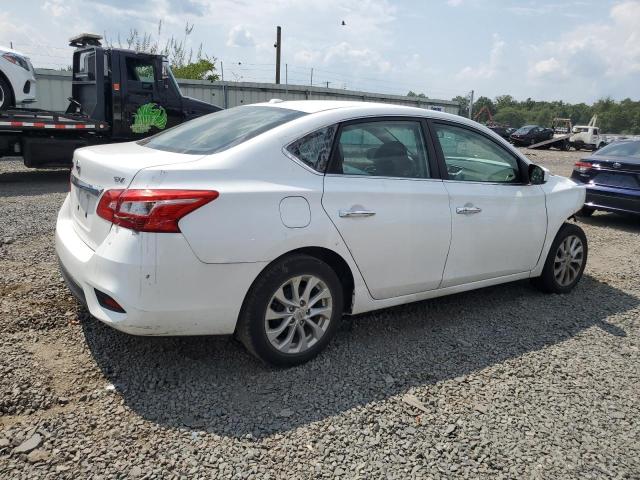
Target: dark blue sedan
{"x": 612, "y": 177}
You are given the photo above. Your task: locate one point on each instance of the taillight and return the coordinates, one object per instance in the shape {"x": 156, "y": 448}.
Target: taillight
{"x": 582, "y": 167}
{"x": 151, "y": 210}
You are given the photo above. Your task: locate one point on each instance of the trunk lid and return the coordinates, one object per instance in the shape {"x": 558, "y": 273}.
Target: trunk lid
{"x": 613, "y": 171}
{"x": 105, "y": 167}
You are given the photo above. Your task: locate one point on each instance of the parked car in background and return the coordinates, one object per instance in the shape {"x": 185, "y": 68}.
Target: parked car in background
{"x": 504, "y": 132}
{"x": 17, "y": 79}
{"x": 612, "y": 177}
{"x": 530, "y": 135}
{"x": 270, "y": 221}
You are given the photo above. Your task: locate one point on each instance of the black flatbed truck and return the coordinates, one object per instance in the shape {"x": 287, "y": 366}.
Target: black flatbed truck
{"x": 117, "y": 95}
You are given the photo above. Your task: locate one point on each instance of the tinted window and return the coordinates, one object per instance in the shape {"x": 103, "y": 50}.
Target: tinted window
{"x": 524, "y": 130}
{"x": 139, "y": 70}
{"x": 221, "y": 130}
{"x": 314, "y": 149}
{"x": 621, "y": 149}
{"x": 390, "y": 148}
{"x": 472, "y": 157}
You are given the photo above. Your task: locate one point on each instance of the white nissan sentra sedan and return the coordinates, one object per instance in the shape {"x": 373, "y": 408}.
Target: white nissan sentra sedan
{"x": 271, "y": 221}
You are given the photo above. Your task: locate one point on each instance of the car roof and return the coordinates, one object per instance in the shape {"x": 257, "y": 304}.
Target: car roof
{"x": 360, "y": 108}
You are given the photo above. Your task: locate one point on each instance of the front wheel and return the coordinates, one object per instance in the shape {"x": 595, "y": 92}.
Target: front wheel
{"x": 565, "y": 261}
{"x": 291, "y": 311}
{"x": 6, "y": 97}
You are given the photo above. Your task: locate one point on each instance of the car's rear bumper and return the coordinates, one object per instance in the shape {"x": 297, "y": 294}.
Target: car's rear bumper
{"x": 623, "y": 200}
{"x": 174, "y": 294}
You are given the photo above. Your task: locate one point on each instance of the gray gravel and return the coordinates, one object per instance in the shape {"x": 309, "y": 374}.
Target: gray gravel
{"x": 505, "y": 382}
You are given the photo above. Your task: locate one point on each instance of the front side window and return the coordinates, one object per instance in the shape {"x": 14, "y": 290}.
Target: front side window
{"x": 314, "y": 149}
{"x": 219, "y": 131}
{"x": 139, "y": 70}
{"x": 388, "y": 148}
{"x": 472, "y": 157}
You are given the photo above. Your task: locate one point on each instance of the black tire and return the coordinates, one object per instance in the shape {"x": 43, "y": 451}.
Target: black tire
{"x": 251, "y": 329}
{"x": 586, "y": 211}
{"x": 532, "y": 141}
{"x": 6, "y": 95}
{"x": 547, "y": 282}
{"x": 566, "y": 146}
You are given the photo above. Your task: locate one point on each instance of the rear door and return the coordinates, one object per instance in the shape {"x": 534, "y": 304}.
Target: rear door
{"x": 383, "y": 194}
{"x": 499, "y": 221}
{"x": 142, "y": 111}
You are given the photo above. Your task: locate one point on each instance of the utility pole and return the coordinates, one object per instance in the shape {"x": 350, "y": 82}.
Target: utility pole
{"x": 278, "y": 46}
{"x": 327, "y": 84}
{"x": 470, "y": 103}
{"x": 312, "y": 76}
{"x": 286, "y": 73}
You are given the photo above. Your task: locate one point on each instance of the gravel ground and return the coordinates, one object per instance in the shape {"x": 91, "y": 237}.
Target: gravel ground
{"x": 504, "y": 382}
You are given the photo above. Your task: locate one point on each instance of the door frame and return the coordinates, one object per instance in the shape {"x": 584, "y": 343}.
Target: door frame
{"x": 435, "y": 167}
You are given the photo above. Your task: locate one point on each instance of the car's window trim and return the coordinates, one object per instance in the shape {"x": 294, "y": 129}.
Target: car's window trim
{"x": 432, "y": 164}
{"x": 522, "y": 166}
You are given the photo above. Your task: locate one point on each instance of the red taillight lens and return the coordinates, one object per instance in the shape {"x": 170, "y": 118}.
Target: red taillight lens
{"x": 582, "y": 167}
{"x": 151, "y": 210}
{"x": 108, "y": 204}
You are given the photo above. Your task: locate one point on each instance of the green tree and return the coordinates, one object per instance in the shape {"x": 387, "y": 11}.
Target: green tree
{"x": 203, "y": 69}
{"x": 510, "y": 116}
{"x": 483, "y": 102}
{"x": 464, "y": 105}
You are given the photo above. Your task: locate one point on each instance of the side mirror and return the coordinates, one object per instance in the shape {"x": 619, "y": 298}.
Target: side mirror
{"x": 538, "y": 175}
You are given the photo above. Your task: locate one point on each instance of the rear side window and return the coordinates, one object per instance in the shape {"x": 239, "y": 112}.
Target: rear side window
{"x": 314, "y": 149}
{"x": 219, "y": 131}
{"x": 384, "y": 148}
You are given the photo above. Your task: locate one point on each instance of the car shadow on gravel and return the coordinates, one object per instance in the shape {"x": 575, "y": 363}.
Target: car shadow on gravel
{"x": 34, "y": 182}
{"x": 626, "y": 223}
{"x": 212, "y": 384}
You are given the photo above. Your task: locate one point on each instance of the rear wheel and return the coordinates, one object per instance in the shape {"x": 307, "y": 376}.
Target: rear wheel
{"x": 6, "y": 95}
{"x": 566, "y": 146}
{"x": 565, "y": 261}
{"x": 292, "y": 311}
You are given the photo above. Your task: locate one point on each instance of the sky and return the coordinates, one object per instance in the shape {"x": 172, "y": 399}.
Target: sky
{"x": 572, "y": 50}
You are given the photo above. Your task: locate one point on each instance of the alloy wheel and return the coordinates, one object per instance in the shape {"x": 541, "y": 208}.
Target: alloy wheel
{"x": 568, "y": 260}
{"x": 1, "y": 96}
{"x": 298, "y": 314}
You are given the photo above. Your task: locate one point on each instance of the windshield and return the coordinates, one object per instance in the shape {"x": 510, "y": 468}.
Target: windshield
{"x": 525, "y": 129}
{"x": 621, "y": 149}
{"x": 219, "y": 131}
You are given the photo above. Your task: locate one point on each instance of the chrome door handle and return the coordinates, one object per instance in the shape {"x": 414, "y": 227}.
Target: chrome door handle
{"x": 468, "y": 210}
{"x": 355, "y": 213}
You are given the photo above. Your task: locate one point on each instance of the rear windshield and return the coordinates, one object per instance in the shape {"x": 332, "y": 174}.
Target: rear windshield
{"x": 219, "y": 131}
{"x": 621, "y": 149}
{"x": 525, "y": 129}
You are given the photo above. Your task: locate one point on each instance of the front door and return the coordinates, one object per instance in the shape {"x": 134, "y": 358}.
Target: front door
{"x": 142, "y": 111}
{"x": 499, "y": 220}
{"x": 393, "y": 214}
